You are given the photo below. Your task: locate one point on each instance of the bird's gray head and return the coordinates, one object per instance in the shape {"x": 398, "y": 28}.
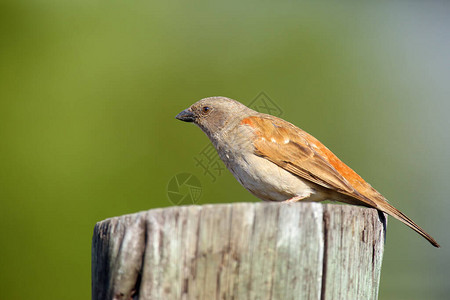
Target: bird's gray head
{"x": 214, "y": 113}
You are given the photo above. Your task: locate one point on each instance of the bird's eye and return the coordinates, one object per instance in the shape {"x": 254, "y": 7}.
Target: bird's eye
{"x": 206, "y": 109}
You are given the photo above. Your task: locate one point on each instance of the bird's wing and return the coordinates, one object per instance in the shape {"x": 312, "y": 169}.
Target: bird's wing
{"x": 296, "y": 151}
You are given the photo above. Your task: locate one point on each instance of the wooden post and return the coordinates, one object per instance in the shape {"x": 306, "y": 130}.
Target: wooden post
{"x": 240, "y": 251}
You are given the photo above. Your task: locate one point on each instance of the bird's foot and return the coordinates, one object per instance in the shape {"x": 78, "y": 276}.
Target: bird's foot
{"x": 295, "y": 199}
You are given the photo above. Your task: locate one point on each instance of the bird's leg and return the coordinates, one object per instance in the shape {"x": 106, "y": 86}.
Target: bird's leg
{"x": 296, "y": 199}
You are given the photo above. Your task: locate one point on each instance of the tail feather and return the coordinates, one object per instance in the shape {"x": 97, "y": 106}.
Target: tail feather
{"x": 384, "y": 206}
{"x": 389, "y": 209}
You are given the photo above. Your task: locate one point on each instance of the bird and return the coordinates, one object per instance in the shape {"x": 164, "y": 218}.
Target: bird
{"x": 277, "y": 161}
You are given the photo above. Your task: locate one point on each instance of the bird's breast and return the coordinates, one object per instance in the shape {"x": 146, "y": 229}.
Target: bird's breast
{"x": 261, "y": 177}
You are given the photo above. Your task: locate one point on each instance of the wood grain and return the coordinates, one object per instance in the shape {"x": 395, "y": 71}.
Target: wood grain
{"x": 240, "y": 251}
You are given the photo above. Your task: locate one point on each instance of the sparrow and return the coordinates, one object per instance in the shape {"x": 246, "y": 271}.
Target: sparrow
{"x": 277, "y": 161}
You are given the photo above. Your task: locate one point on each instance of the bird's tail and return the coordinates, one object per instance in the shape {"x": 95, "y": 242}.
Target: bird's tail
{"x": 389, "y": 209}
{"x": 384, "y": 206}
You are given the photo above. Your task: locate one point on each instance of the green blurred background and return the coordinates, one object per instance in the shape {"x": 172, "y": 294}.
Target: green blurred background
{"x": 89, "y": 91}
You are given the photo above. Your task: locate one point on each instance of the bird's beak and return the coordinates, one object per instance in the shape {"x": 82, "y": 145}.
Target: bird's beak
{"x": 186, "y": 115}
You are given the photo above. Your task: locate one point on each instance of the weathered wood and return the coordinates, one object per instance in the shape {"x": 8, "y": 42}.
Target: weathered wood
{"x": 240, "y": 251}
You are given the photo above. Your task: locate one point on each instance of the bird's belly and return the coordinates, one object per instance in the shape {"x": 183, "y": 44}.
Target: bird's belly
{"x": 266, "y": 180}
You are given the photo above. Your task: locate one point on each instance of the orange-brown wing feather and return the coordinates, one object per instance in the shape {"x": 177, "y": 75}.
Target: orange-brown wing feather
{"x": 301, "y": 154}
{"x": 298, "y": 152}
